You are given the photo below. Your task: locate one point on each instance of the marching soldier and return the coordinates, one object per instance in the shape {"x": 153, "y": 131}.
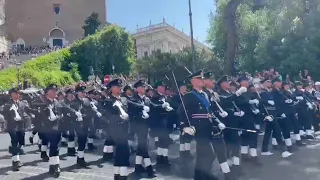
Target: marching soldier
{"x": 139, "y": 108}
{"x": 70, "y": 120}
{"x": 160, "y": 109}
{"x": 49, "y": 111}
{"x": 92, "y": 126}
{"x": 185, "y": 139}
{"x": 271, "y": 124}
{"x": 249, "y": 140}
{"x": 197, "y": 119}
{"x": 290, "y": 111}
{"x": 280, "y": 102}
{"x": 118, "y": 129}
{"x": 303, "y": 108}
{"x": 13, "y": 113}
{"x": 230, "y": 118}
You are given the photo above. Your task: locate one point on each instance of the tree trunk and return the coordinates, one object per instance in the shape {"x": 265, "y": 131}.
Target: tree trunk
{"x": 231, "y": 28}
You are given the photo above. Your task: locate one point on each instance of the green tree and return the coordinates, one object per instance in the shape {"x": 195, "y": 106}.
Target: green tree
{"x": 91, "y": 24}
{"x": 111, "y": 46}
{"x": 159, "y": 65}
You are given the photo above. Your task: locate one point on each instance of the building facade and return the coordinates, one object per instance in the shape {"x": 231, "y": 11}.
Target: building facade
{"x": 3, "y": 38}
{"x": 162, "y": 38}
{"x": 49, "y": 22}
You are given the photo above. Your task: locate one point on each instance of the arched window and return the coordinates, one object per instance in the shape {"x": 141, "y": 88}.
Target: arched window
{"x": 56, "y": 8}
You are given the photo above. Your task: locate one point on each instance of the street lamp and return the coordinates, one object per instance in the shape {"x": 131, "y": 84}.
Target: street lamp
{"x": 191, "y": 36}
{"x": 18, "y": 73}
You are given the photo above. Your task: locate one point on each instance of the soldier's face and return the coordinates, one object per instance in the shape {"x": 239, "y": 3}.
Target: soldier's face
{"x": 52, "y": 94}
{"x": 183, "y": 89}
{"x": 286, "y": 87}
{"x": 81, "y": 94}
{"x": 116, "y": 89}
{"x": 15, "y": 96}
{"x": 141, "y": 90}
{"x": 244, "y": 84}
{"x": 197, "y": 82}
{"x": 129, "y": 92}
{"x": 161, "y": 89}
{"x": 208, "y": 83}
{"x": 70, "y": 96}
{"x": 277, "y": 85}
{"x": 225, "y": 85}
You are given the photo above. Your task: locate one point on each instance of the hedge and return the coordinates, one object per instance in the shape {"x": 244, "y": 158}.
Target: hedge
{"x": 42, "y": 71}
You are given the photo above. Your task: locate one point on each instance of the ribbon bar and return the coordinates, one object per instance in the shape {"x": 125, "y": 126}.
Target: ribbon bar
{"x": 201, "y": 116}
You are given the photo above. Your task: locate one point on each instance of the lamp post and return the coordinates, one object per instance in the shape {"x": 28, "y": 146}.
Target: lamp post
{"x": 191, "y": 36}
{"x": 18, "y": 73}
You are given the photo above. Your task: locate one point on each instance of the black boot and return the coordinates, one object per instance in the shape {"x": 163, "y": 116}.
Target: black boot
{"x": 290, "y": 149}
{"x": 166, "y": 160}
{"x": 64, "y": 144}
{"x": 107, "y": 156}
{"x": 15, "y": 166}
{"x": 39, "y": 146}
{"x": 228, "y": 176}
{"x": 81, "y": 162}
{"x": 310, "y": 137}
{"x": 160, "y": 159}
{"x": 44, "y": 156}
{"x": 123, "y": 177}
{"x": 51, "y": 169}
{"x": 91, "y": 147}
{"x": 71, "y": 151}
{"x": 150, "y": 171}
{"x": 56, "y": 170}
{"x": 31, "y": 140}
{"x": 10, "y": 150}
{"x": 300, "y": 143}
{"x": 139, "y": 169}
{"x": 116, "y": 177}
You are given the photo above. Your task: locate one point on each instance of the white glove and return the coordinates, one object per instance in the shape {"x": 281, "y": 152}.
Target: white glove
{"x": 309, "y": 105}
{"x": 124, "y": 116}
{"x": 169, "y": 108}
{"x": 254, "y": 101}
{"x": 145, "y": 115}
{"x": 78, "y": 114}
{"x": 33, "y": 116}
{"x": 288, "y": 101}
{"x": 240, "y": 114}
{"x": 283, "y": 115}
{"x": 256, "y": 111}
{"x": 241, "y": 91}
{"x": 98, "y": 114}
{"x": 299, "y": 98}
{"x": 146, "y": 108}
{"x": 221, "y": 126}
{"x": 223, "y": 114}
{"x": 268, "y": 118}
{"x": 271, "y": 102}
{"x": 189, "y": 130}
{"x": 165, "y": 104}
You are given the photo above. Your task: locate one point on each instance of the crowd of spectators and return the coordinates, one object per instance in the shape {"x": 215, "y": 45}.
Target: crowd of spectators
{"x": 11, "y": 58}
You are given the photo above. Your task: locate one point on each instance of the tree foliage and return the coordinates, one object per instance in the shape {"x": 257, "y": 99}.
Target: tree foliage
{"x": 110, "y": 46}
{"x": 280, "y": 34}
{"x": 159, "y": 65}
{"x": 41, "y": 71}
{"x": 91, "y": 24}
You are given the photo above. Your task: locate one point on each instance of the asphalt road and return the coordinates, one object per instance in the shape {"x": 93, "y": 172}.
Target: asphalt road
{"x": 303, "y": 165}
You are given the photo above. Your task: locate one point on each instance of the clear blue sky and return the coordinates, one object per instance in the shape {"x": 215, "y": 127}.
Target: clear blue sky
{"x": 129, "y": 13}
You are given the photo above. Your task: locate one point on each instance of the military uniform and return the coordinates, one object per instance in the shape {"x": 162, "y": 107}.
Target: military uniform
{"x": 118, "y": 127}
{"x": 138, "y": 107}
{"x": 13, "y": 113}
{"x": 159, "y": 110}
{"x": 198, "y": 121}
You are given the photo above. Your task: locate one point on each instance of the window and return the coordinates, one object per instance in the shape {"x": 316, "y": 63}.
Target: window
{"x": 146, "y": 54}
{"x": 56, "y": 8}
